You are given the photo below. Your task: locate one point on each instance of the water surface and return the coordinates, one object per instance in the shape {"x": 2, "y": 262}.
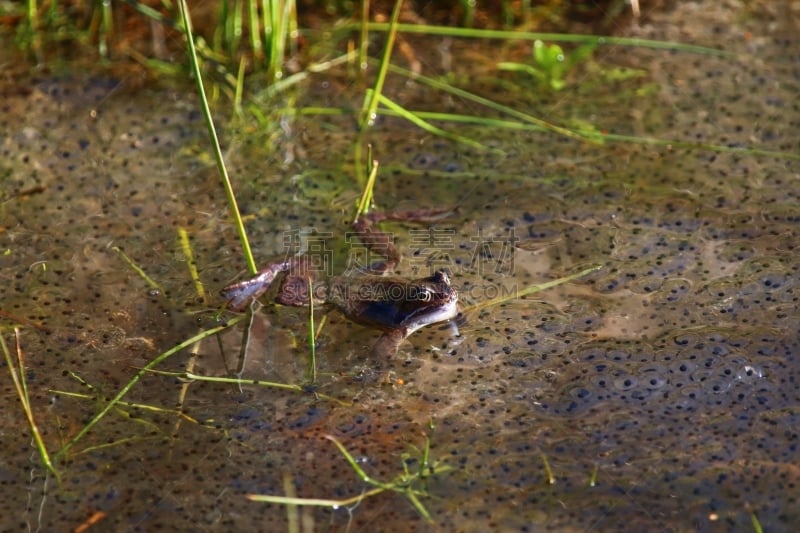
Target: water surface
{"x": 659, "y": 393}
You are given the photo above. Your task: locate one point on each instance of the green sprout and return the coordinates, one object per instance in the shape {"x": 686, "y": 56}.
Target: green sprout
{"x": 551, "y": 64}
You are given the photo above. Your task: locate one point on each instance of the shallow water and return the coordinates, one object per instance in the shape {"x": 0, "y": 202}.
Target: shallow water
{"x": 669, "y": 378}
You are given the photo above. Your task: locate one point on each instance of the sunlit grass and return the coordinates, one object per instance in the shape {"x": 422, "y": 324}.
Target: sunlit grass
{"x": 757, "y": 528}
{"x": 186, "y": 248}
{"x": 531, "y": 124}
{"x": 597, "y": 40}
{"x": 133, "y": 265}
{"x": 291, "y": 387}
{"x": 214, "y": 139}
{"x": 368, "y": 192}
{"x": 17, "y": 370}
{"x": 414, "y": 118}
{"x": 117, "y": 398}
{"x": 372, "y": 96}
{"x": 94, "y": 395}
{"x": 312, "y": 336}
{"x": 527, "y": 291}
{"x": 254, "y": 39}
{"x": 551, "y": 478}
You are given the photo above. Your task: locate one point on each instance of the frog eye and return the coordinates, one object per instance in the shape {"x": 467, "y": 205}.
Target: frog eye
{"x": 423, "y": 294}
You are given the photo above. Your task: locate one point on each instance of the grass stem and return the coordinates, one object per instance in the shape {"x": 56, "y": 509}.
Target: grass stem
{"x": 135, "y": 379}
{"x": 312, "y": 339}
{"x": 21, "y": 387}
{"x": 212, "y": 134}
{"x": 369, "y": 112}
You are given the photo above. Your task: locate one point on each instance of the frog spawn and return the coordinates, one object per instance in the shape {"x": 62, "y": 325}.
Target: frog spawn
{"x": 672, "y": 372}
{"x": 692, "y": 374}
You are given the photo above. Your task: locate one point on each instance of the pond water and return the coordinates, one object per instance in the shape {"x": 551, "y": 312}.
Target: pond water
{"x": 660, "y": 392}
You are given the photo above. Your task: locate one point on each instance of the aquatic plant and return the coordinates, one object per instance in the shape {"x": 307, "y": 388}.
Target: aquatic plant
{"x": 550, "y": 63}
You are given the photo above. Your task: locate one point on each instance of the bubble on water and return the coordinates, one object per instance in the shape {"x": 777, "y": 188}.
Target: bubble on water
{"x": 749, "y": 373}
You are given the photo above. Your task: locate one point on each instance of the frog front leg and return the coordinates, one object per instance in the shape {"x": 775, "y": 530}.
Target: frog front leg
{"x": 389, "y": 343}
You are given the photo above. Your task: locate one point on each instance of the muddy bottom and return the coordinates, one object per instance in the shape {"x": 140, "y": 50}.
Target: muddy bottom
{"x": 659, "y": 392}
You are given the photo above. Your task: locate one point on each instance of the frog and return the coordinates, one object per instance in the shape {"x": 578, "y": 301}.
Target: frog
{"x": 396, "y": 306}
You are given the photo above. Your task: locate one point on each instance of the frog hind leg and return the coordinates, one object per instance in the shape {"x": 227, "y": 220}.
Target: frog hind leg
{"x": 239, "y": 295}
{"x": 381, "y": 242}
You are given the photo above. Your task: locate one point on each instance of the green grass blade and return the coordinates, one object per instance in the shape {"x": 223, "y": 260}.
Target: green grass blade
{"x": 364, "y": 37}
{"x": 293, "y": 500}
{"x": 186, "y": 248}
{"x": 312, "y": 338}
{"x": 551, "y": 479}
{"x": 365, "y": 201}
{"x": 699, "y": 146}
{"x": 254, "y": 29}
{"x": 190, "y": 376}
{"x": 139, "y": 270}
{"x": 532, "y": 289}
{"x": 212, "y": 134}
{"x": 21, "y": 387}
{"x": 523, "y": 126}
{"x": 598, "y": 40}
{"x": 423, "y": 512}
{"x": 756, "y": 524}
{"x": 430, "y": 128}
{"x": 368, "y": 113}
{"x": 356, "y": 467}
{"x": 461, "y": 93}
{"x": 288, "y": 81}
